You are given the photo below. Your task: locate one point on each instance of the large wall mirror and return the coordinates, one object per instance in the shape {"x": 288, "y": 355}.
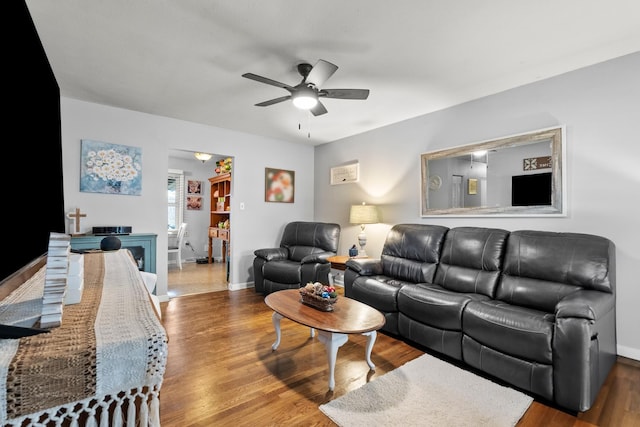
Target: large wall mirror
{"x": 511, "y": 176}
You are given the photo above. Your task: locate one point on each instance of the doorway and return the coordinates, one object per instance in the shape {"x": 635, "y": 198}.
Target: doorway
{"x": 189, "y": 201}
{"x": 457, "y": 200}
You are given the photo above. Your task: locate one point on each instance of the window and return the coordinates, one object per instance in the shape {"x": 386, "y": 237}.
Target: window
{"x": 175, "y": 199}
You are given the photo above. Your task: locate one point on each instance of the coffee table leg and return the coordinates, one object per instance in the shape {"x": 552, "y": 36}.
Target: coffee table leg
{"x": 275, "y": 319}
{"x": 371, "y": 339}
{"x": 332, "y": 341}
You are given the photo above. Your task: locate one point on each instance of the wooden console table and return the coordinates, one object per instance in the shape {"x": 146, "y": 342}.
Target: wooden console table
{"x": 146, "y": 241}
{"x": 104, "y": 364}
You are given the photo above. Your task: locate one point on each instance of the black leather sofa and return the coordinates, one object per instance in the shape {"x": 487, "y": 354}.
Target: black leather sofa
{"x": 535, "y": 309}
{"x": 301, "y": 257}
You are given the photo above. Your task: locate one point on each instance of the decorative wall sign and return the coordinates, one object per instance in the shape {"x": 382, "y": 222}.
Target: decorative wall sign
{"x": 536, "y": 163}
{"x": 279, "y": 185}
{"x": 345, "y": 174}
{"x": 110, "y": 168}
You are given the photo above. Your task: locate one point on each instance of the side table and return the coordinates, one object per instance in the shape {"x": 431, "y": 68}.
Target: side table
{"x": 338, "y": 265}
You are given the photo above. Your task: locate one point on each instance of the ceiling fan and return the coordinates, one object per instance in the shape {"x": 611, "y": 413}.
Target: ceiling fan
{"x": 306, "y": 94}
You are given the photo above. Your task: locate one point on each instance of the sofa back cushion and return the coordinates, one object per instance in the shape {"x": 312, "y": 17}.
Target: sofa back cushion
{"x": 542, "y": 267}
{"x": 471, "y": 260}
{"x": 411, "y": 252}
{"x": 306, "y": 238}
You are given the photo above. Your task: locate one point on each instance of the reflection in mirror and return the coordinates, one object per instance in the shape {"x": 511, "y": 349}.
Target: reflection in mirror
{"x": 511, "y": 176}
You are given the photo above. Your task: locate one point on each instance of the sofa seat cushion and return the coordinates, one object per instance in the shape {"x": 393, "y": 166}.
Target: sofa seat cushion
{"x": 286, "y": 271}
{"x": 380, "y": 292}
{"x": 517, "y": 331}
{"x": 434, "y": 306}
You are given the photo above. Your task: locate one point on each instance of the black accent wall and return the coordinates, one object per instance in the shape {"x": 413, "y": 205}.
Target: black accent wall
{"x": 32, "y": 147}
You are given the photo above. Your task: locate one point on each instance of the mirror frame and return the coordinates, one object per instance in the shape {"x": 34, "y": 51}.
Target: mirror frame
{"x": 556, "y": 135}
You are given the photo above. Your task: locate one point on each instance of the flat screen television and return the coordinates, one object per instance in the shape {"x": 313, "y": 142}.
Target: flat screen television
{"x": 531, "y": 190}
{"x": 34, "y": 200}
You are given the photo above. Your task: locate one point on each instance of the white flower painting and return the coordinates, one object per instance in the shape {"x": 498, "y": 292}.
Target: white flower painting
{"x": 110, "y": 168}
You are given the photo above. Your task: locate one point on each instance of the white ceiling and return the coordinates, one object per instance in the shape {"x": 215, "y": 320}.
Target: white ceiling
{"x": 184, "y": 58}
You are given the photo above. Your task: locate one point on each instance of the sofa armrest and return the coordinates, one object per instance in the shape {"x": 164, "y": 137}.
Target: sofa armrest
{"x": 585, "y": 304}
{"x": 365, "y": 266}
{"x": 271, "y": 254}
{"x": 320, "y": 257}
{"x": 584, "y": 347}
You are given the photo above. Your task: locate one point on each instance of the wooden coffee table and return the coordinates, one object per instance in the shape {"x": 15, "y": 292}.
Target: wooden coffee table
{"x": 348, "y": 317}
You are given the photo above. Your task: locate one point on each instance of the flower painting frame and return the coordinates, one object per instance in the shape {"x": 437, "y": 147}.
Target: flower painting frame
{"x": 110, "y": 168}
{"x": 279, "y": 185}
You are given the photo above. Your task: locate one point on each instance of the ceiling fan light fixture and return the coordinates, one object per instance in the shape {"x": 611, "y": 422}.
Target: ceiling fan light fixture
{"x": 305, "y": 98}
{"x": 306, "y": 94}
{"x": 203, "y": 157}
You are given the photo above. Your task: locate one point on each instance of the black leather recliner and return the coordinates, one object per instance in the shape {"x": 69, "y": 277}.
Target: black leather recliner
{"x": 300, "y": 259}
{"x": 535, "y": 309}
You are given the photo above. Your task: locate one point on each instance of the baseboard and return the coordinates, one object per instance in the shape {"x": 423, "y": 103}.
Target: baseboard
{"x": 629, "y": 352}
{"x": 238, "y": 286}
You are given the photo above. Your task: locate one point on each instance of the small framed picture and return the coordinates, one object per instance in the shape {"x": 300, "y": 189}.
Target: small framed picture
{"x": 194, "y": 187}
{"x": 194, "y": 202}
{"x": 473, "y": 186}
{"x": 279, "y": 185}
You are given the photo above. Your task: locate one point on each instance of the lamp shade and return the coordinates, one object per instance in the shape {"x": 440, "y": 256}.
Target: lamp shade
{"x": 364, "y": 214}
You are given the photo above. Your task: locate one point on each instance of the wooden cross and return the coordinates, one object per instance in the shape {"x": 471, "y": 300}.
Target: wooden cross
{"x": 76, "y": 216}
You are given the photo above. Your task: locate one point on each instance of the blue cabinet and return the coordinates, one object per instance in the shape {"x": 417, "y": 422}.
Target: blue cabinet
{"x": 141, "y": 245}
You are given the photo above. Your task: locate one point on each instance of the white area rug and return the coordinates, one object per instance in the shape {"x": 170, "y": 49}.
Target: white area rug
{"x": 429, "y": 392}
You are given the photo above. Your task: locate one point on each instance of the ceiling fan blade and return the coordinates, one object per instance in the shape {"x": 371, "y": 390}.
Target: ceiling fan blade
{"x": 268, "y": 81}
{"x": 320, "y": 73}
{"x": 344, "y": 93}
{"x": 318, "y": 110}
{"x": 273, "y": 101}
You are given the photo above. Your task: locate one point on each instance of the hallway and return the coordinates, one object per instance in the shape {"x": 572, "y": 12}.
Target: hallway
{"x": 196, "y": 278}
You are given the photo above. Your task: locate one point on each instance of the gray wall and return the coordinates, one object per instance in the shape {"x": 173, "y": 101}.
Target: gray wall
{"x": 259, "y": 225}
{"x": 600, "y": 107}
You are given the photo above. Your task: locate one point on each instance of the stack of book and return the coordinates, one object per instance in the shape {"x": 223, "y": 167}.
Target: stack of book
{"x": 55, "y": 282}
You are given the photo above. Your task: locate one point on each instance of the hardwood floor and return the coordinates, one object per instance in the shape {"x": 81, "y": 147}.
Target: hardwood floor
{"x": 221, "y": 370}
{"x": 196, "y": 278}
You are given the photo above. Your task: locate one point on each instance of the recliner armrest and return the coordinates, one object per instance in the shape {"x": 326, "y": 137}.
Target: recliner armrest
{"x": 365, "y": 266}
{"x": 271, "y": 254}
{"x": 320, "y": 257}
{"x": 585, "y": 304}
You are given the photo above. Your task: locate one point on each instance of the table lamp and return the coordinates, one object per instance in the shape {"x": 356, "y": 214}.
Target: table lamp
{"x": 363, "y": 214}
